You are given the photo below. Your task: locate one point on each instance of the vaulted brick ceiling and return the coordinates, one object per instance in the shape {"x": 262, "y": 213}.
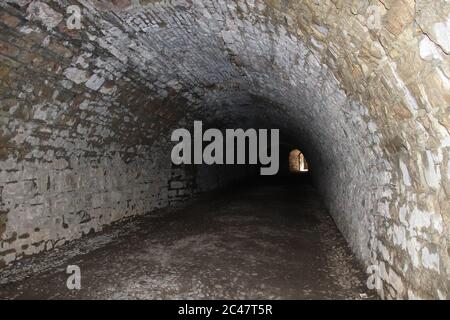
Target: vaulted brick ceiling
{"x": 89, "y": 112}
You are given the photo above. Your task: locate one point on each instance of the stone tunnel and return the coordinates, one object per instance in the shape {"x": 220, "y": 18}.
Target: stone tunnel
{"x": 90, "y": 92}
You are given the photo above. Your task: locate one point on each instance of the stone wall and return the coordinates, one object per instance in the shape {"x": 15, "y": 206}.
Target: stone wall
{"x": 46, "y": 204}
{"x": 361, "y": 87}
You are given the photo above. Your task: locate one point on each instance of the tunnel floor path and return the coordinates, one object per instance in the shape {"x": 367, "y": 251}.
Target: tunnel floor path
{"x": 258, "y": 241}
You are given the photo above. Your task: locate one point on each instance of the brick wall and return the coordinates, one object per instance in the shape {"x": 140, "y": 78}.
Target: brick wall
{"x": 369, "y": 108}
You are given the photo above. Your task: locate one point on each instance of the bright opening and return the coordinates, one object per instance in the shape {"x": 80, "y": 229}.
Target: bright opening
{"x": 297, "y": 162}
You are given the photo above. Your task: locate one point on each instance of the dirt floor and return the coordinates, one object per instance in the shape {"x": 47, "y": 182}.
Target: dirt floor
{"x": 258, "y": 241}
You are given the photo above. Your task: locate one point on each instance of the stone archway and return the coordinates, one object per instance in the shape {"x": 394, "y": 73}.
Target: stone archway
{"x": 89, "y": 112}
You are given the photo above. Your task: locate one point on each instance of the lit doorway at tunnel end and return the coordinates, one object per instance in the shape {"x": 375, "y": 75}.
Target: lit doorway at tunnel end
{"x": 297, "y": 162}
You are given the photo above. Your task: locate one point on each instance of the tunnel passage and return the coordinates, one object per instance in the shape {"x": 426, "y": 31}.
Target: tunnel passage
{"x": 86, "y": 116}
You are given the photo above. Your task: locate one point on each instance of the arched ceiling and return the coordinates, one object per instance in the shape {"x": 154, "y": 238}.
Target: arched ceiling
{"x": 368, "y": 106}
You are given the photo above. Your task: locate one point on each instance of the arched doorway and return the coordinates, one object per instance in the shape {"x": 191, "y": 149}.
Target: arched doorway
{"x": 297, "y": 162}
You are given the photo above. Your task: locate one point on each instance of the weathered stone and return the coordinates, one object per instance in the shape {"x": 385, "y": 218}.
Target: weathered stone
{"x": 40, "y": 11}
{"x": 399, "y": 15}
{"x": 94, "y": 108}
{"x": 9, "y": 20}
